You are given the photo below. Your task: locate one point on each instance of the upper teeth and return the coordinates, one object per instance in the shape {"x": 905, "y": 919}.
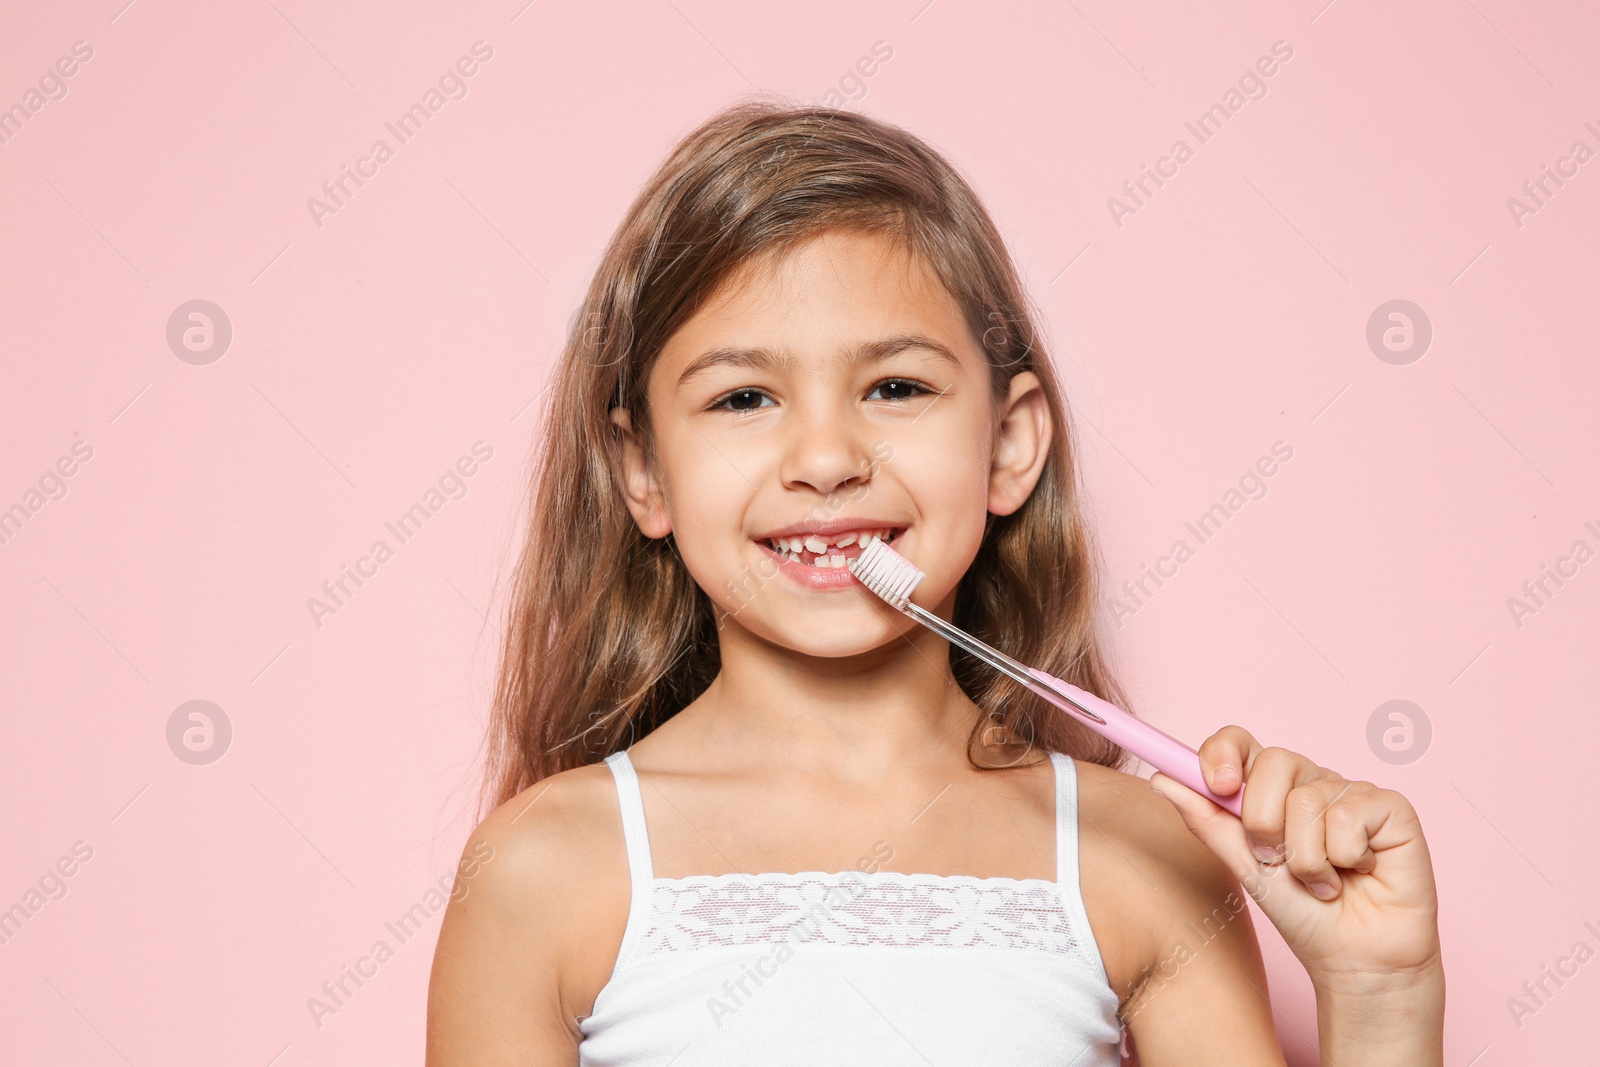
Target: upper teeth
{"x": 818, "y": 545}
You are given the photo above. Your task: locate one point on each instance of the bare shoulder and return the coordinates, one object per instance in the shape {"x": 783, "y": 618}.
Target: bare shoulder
{"x": 1141, "y": 822}
{"x": 540, "y": 896}
{"x": 1143, "y": 874}
{"x": 548, "y": 839}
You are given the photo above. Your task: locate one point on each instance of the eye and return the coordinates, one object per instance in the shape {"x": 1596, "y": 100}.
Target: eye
{"x": 738, "y": 400}
{"x": 907, "y": 389}
{"x": 748, "y": 399}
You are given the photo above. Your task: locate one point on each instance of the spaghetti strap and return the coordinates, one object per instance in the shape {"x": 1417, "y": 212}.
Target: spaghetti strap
{"x": 1066, "y": 821}
{"x": 640, "y": 871}
{"x": 1067, "y": 874}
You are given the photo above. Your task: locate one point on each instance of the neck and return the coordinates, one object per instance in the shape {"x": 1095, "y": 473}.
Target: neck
{"x": 846, "y": 717}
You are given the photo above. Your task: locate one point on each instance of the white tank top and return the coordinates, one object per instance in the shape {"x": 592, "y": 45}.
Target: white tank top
{"x": 877, "y": 968}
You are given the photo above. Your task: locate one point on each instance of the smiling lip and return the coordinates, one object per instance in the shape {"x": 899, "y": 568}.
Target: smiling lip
{"x": 830, "y": 527}
{"x": 806, "y": 566}
{"x": 813, "y": 577}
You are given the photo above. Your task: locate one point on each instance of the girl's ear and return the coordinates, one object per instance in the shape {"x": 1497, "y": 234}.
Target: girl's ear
{"x": 640, "y": 487}
{"x": 1022, "y": 444}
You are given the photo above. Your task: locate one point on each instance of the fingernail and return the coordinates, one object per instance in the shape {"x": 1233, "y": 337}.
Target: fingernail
{"x": 1226, "y": 774}
{"x": 1323, "y": 891}
{"x": 1266, "y": 854}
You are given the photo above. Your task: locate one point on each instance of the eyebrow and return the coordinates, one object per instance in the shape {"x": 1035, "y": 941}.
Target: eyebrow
{"x": 762, "y": 358}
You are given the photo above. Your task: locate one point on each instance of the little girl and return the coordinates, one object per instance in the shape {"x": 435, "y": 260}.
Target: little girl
{"x": 744, "y": 812}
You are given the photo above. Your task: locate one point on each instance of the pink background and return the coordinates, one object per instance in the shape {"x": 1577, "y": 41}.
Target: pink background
{"x": 370, "y": 353}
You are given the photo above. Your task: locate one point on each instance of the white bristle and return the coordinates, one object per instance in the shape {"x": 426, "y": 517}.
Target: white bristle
{"x": 886, "y": 572}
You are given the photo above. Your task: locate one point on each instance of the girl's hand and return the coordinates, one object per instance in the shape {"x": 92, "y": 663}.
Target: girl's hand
{"x": 1339, "y": 867}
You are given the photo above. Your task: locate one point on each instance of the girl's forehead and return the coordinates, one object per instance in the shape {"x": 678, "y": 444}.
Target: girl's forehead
{"x": 834, "y": 290}
{"x": 837, "y": 261}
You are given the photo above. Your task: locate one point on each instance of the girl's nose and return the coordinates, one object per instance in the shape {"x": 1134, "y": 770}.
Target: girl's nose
{"x": 825, "y": 455}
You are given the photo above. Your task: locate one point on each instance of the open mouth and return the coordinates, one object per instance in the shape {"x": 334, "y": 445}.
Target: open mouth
{"x": 814, "y": 550}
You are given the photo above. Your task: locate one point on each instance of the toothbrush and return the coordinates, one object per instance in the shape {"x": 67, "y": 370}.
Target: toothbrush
{"x": 892, "y": 577}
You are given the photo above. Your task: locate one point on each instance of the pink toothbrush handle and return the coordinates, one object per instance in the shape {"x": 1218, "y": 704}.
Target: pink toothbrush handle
{"x": 1162, "y": 751}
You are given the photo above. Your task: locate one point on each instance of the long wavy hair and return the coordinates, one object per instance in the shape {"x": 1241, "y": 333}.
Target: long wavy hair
{"x": 607, "y": 633}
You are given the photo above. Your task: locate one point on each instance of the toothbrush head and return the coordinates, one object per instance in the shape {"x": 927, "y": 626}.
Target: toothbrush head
{"x": 885, "y": 572}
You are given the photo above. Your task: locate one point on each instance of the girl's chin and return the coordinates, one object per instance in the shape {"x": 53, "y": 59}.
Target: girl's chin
{"x": 834, "y": 647}
{"x": 836, "y": 631}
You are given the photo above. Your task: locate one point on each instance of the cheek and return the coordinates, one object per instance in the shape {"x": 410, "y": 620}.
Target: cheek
{"x": 961, "y": 453}
{"x": 951, "y": 480}
{"x": 707, "y": 498}
{"x": 711, "y": 466}
{"x": 948, "y": 474}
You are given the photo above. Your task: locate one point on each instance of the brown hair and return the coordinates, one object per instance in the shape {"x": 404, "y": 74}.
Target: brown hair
{"x": 608, "y": 634}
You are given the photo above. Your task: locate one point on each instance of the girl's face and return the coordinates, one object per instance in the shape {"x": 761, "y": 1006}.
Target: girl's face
{"x": 832, "y": 392}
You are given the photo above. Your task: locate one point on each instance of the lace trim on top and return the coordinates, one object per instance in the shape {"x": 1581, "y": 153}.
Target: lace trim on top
{"x": 884, "y": 908}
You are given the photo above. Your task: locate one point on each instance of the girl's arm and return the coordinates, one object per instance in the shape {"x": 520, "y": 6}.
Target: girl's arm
{"x": 1342, "y": 870}
{"x": 534, "y": 905}
{"x": 1174, "y": 930}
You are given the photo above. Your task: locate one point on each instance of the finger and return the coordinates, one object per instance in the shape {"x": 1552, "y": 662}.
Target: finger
{"x": 1348, "y": 820}
{"x": 1224, "y": 756}
{"x": 1305, "y": 834}
{"x": 1270, "y": 776}
{"x": 1217, "y": 829}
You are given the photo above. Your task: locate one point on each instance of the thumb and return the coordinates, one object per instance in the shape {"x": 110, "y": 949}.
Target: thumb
{"x": 1217, "y": 829}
